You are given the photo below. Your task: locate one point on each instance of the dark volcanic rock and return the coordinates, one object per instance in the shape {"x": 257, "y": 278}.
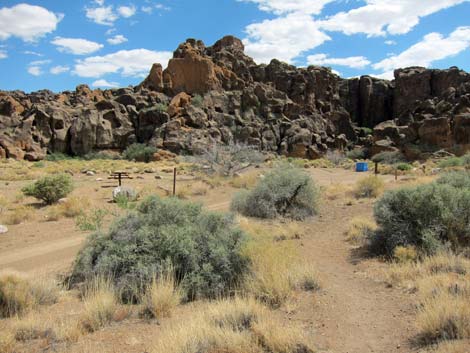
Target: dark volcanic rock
{"x": 217, "y": 94}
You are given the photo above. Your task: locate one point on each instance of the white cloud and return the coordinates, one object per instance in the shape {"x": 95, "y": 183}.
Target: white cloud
{"x": 433, "y": 47}
{"x": 39, "y": 62}
{"x": 29, "y": 52}
{"x": 77, "y": 46}
{"x": 126, "y": 11}
{"x": 355, "y": 62}
{"x": 147, "y": 9}
{"x": 103, "y": 15}
{"x": 135, "y": 63}
{"x": 283, "y": 38}
{"x": 99, "y": 2}
{"x": 280, "y": 7}
{"x": 56, "y": 70}
{"x": 381, "y": 17}
{"x": 390, "y": 42}
{"x": 162, "y": 7}
{"x": 27, "y": 22}
{"x": 35, "y": 70}
{"x": 117, "y": 39}
{"x": 3, "y": 54}
{"x": 104, "y": 83}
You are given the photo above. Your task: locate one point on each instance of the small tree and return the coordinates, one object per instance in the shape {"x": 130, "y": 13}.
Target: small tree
{"x": 50, "y": 189}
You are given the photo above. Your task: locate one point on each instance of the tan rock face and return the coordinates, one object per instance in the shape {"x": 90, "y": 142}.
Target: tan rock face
{"x": 154, "y": 80}
{"x": 178, "y": 102}
{"x": 192, "y": 73}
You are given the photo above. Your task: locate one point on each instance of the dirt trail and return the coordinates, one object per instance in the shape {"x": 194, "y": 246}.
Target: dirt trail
{"x": 354, "y": 313}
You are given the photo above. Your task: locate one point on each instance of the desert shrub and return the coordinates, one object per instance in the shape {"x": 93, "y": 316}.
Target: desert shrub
{"x": 57, "y": 156}
{"x": 139, "y": 152}
{"x": 370, "y": 186}
{"x": 161, "y": 107}
{"x": 403, "y": 254}
{"x": 357, "y": 154}
{"x": 92, "y": 220}
{"x": 204, "y": 248}
{"x": 427, "y": 216}
{"x": 286, "y": 191}
{"x": 50, "y": 189}
{"x": 451, "y": 162}
{"x": 389, "y": 157}
{"x": 100, "y": 155}
{"x": 226, "y": 160}
{"x": 197, "y": 101}
{"x": 457, "y": 179}
{"x": 404, "y": 166}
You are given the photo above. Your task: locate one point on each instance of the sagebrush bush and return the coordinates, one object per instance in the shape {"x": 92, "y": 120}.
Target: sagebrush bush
{"x": 370, "y": 186}
{"x": 204, "y": 248}
{"x": 286, "y": 191}
{"x": 427, "y": 216}
{"x": 139, "y": 152}
{"x": 50, "y": 189}
{"x": 389, "y": 157}
{"x": 457, "y": 179}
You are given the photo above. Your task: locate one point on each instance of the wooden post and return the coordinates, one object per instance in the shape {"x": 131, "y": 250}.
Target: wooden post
{"x": 376, "y": 168}
{"x": 174, "y": 181}
{"x": 396, "y": 174}
{"x": 119, "y": 177}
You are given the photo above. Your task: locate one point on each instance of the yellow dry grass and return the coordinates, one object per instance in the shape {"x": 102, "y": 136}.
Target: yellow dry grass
{"x": 369, "y": 186}
{"x": 335, "y": 191}
{"x": 161, "y": 296}
{"x": 17, "y": 215}
{"x": 7, "y": 342}
{"x": 456, "y": 346}
{"x": 100, "y": 302}
{"x": 404, "y": 254}
{"x": 245, "y": 181}
{"x": 359, "y": 229}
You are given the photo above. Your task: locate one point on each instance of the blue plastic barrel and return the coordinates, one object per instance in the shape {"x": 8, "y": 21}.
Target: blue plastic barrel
{"x": 362, "y": 167}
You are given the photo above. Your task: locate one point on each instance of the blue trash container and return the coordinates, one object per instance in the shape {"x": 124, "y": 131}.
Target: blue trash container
{"x": 362, "y": 167}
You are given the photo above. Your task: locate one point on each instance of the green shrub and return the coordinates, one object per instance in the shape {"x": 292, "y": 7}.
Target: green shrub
{"x": 404, "y": 166}
{"x": 389, "y": 157}
{"x": 457, "y": 179}
{"x": 50, "y": 189}
{"x": 161, "y": 107}
{"x": 451, "y": 162}
{"x": 427, "y": 217}
{"x": 197, "y": 101}
{"x": 285, "y": 191}
{"x": 100, "y": 156}
{"x": 466, "y": 159}
{"x": 357, "y": 154}
{"x": 139, "y": 152}
{"x": 205, "y": 249}
{"x": 57, "y": 156}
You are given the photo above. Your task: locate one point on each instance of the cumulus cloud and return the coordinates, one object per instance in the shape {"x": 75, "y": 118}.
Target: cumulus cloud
{"x": 381, "y": 17}
{"x": 105, "y": 84}
{"x": 35, "y": 70}
{"x": 424, "y": 53}
{"x": 3, "y": 54}
{"x": 280, "y": 7}
{"x": 126, "y": 11}
{"x": 103, "y": 15}
{"x": 354, "y": 62}
{"x": 77, "y": 46}
{"x": 117, "y": 39}
{"x": 27, "y": 22}
{"x": 283, "y": 38}
{"x": 56, "y": 70}
{"x": 135, "y": 63}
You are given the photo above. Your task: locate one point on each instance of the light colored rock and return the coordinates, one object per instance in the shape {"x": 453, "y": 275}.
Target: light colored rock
{"x": 90, "y": 173}
{"x": 3, "y": 229}
{"x": 124, "y": 191}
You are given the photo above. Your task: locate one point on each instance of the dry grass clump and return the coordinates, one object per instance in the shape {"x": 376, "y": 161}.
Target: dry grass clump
{"x": 404, "y": 254}
{"x": 32, "y": 326}
{"x": 7, "y": 342}
{"x": 232, "y": 326}
{"x": 456, "y": 346}
{"x": 70, "y": 208}
{"x": 194, "y": 189}
{"x": 17, "y": 215}
{"x": 101, "y": 304}
{"x": 276, "y": 272}
{"x": 370, "y": 186}
{"x": 359, "y": 230}
{"x": 19, "y": 294}
{"x": 443, "y": 286}
{"x": 244, "y": 181}
{"x": 161, "y": 296}
{"x": 335, "y": 191}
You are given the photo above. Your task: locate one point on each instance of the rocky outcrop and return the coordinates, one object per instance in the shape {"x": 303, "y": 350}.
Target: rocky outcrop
{"x": 218, "y": 94}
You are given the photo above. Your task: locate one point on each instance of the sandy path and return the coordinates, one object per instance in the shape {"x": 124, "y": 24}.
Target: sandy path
{"x": 354, "y": 313}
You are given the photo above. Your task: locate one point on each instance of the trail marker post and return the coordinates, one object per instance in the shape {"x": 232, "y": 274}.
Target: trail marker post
{"x": 174, "y": 181}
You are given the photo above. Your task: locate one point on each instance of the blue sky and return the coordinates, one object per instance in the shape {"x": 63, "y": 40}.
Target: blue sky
{"x": 104, "y": 43}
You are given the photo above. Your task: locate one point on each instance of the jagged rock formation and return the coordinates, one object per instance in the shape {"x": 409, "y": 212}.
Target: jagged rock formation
{"x": 217, "y": 94}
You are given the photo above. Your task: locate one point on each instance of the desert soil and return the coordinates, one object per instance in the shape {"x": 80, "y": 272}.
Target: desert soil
{"x": 354, "y": 312}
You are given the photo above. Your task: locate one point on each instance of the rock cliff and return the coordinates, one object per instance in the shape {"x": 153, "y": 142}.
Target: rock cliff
{"x": 218, "y": 94}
